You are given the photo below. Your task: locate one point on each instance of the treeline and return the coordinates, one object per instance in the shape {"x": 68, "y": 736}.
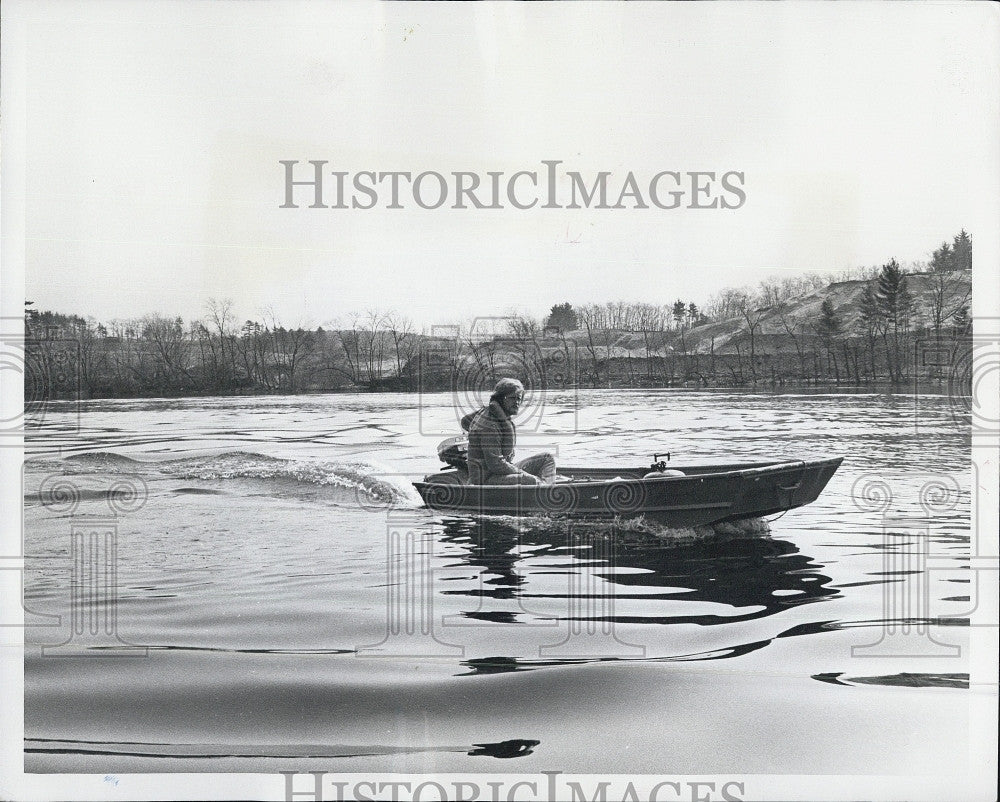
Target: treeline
{"x": 164, "y": 356}
{"x": 858, "y": 327}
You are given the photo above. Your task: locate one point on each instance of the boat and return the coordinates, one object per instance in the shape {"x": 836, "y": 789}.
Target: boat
{"x": 679, "y": 496}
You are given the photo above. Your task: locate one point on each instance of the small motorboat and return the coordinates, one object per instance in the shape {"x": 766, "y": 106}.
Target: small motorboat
{"x": 683, "y": 495}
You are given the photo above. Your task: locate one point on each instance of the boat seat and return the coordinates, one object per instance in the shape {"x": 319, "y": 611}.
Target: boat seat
{"x": 457, "y": 477}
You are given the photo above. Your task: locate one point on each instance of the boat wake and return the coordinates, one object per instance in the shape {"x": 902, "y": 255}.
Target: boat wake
{"x": 639, "y": 526}
{"x": 373, "y": 486}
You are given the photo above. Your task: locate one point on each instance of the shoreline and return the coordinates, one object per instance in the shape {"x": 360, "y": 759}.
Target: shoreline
{"x": 910, "y": 387}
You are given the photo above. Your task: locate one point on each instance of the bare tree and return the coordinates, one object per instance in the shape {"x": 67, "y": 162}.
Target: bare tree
{"x": 752, "y": 311}
{"x": 874, "y": 325}
{"x": 350, "y": 347}
{"x": 592, "y": 320}
{"x": 404, "y": 342}
{"x": 254, "y": 347}
{"x": 129, "y": 374}
{"x": 790, "y": 324}
{"x": 364, "y": 346}
{"x": 949, "y": 292}
{"x": 223, "y": 320}
{"x": 653, "y": 324}
{"x": 291, "y": 347}
{"x": 92, "y": 352}
{"x": 829, "y": 330}
{"x": 167, "y": 348}
{"x": 771, "y": 292}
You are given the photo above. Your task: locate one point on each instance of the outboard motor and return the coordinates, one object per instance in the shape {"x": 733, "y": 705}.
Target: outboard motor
{"x": 455, "y": 452}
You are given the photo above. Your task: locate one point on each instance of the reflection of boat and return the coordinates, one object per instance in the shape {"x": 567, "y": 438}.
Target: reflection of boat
{"x": 717, "y": 580}
{"x": 693, "y": 495}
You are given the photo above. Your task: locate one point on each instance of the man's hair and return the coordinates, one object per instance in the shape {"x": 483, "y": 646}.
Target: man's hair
{"x": 507, "y": 386}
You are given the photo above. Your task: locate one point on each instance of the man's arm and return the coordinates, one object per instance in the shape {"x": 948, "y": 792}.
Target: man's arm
{"x": 498, "y": 465}
{"x": 493, "y": 458}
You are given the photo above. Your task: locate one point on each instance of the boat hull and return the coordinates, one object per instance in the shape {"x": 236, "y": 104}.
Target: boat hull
{"x": 703, "y": 495}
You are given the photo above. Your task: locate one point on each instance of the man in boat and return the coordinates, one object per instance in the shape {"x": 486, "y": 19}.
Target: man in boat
{"x": 493, "y": 437}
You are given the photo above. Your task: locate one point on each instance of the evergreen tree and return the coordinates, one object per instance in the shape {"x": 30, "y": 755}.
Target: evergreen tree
{"x": 871, "y": 315}
{"x": 956, "y": 255}
{"x": 961, "y": 251}
{"x": 680, "y": 312}
{"x": 829, "y": 321}
{"x": 829, "y": 328}
{"x": 563, "y": 317}
{"x": 942, "y": 260}
{"x": 893, "y": 296}
{"x": 871, "y": 319}
{"x": 895, "y": 305}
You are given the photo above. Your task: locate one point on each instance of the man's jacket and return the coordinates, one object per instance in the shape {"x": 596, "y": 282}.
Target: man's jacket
{"x": 492, "y": 438}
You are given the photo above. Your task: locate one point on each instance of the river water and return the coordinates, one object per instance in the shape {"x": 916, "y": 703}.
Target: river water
{"x": 282, "y": 601}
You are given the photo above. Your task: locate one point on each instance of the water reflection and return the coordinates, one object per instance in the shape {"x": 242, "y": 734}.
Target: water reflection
{"x": 751, "y": 576}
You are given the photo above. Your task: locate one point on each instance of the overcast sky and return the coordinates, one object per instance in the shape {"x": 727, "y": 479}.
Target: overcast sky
{"x": 153, "y": 134}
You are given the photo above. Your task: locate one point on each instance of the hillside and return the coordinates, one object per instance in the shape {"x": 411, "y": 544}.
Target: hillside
{"x": 802, "y": 314}
{"x": 777, "y": 328}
